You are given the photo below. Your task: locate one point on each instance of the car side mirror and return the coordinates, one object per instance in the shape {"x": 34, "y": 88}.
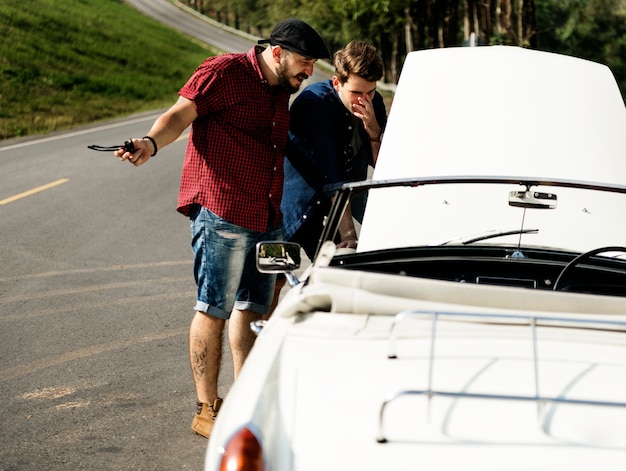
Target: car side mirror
{"x": 277, "y": 257}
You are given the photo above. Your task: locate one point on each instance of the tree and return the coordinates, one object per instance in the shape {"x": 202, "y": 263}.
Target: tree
{"x": 591, "y": 29}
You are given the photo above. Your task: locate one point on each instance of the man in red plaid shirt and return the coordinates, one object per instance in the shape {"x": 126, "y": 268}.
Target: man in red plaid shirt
{"x": 231, "y": 188}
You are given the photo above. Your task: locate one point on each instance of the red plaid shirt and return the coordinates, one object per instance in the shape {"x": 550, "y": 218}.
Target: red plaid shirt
{"x": 234, "y": 160}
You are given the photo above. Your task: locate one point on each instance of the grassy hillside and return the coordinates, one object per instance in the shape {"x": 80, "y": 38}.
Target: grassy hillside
{"x": 70, "y": 62}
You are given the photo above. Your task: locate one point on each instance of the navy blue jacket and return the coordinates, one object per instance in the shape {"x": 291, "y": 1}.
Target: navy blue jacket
{"x": 322, "y": 133}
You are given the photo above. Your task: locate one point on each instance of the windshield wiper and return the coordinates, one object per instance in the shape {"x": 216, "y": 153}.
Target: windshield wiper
{"x": 487, "y": 235}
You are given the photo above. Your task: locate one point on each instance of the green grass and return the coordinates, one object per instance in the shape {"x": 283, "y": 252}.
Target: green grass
{"x": 65, "y": 63}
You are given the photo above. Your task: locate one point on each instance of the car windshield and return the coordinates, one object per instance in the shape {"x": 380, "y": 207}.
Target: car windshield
{"x": 549, "y": 214}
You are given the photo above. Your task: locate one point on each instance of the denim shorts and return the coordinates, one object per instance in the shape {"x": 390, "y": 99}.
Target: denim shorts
{"x": 225, "y": 266}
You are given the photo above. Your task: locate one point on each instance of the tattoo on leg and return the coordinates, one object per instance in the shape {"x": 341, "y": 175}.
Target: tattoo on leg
{"x": 199, "y": 354}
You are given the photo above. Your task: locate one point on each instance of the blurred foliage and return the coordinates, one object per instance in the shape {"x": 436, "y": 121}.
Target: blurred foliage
{"x": 591, "y": 29}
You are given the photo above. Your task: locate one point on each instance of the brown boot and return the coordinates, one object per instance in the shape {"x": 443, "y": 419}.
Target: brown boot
{"x": 205, "y": 417}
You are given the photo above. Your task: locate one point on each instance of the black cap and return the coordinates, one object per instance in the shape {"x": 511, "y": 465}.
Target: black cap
{"x": 297, "y": 36}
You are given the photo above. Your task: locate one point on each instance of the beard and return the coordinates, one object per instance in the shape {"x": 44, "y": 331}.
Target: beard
{"x": 284, "y": 78}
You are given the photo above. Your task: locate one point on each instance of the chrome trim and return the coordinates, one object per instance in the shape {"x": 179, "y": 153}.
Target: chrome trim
{"x": 531, "y": 320}
{"x": 258, "y": 326}
{"x": 381, "y": 438}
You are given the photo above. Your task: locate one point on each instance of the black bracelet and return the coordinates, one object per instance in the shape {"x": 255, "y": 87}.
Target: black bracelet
{"x": 153, "y": 143}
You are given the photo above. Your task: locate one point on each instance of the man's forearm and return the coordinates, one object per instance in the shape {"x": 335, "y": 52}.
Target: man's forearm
{"x": 170, "y": 125}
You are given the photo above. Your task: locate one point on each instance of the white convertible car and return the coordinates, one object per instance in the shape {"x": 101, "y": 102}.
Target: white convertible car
{"x": 480, "y": 324}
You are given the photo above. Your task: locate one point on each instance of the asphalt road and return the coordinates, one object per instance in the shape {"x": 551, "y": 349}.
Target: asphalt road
{"x": 96, "y": 297}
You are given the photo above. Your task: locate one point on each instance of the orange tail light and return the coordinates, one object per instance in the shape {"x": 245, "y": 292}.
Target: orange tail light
{"x": 243, "y": 453}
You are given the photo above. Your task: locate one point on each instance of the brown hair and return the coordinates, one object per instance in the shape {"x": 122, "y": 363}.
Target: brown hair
{"x": 359, "y": 58}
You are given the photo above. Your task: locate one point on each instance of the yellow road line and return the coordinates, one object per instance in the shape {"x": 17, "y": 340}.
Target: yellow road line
{"x": 39, "y": 189}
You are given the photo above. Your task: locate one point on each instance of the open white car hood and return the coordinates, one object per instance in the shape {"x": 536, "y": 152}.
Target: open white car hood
{"x": 525, "y": 114}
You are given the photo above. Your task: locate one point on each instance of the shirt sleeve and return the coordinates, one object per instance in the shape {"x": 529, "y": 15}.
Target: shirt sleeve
{"x": 206, "y": 87}
{"x": 315, "y": 123}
